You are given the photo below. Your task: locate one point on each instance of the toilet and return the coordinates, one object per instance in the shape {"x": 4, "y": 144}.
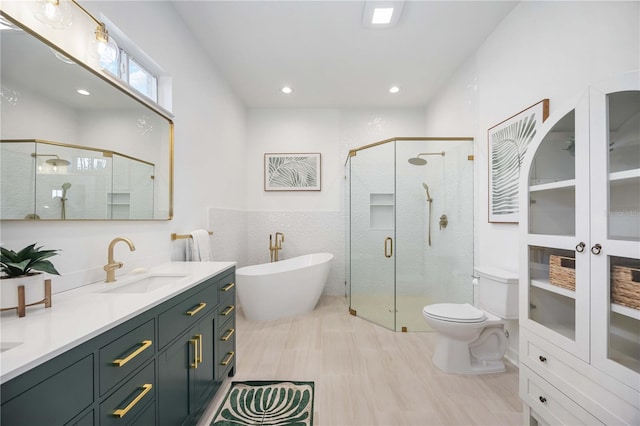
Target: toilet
{"x": 471, "y": 340}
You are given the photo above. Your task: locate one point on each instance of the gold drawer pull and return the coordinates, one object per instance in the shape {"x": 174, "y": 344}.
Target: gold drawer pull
{"x": 145, "y": 390}
{"x": 194, "y": 342}
{"x": 229, "y": 334}
{"x": 228, "y": 311}
{"x": 120, "y": 362}
{"x": 199, "y": 358}
{"x": 228, "y": 359}
{"x": 196, "y": 310}
{"x": 228, "y": 287}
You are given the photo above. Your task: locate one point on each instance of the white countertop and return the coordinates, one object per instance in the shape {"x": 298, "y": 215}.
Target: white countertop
{"x": 78, "y": 315}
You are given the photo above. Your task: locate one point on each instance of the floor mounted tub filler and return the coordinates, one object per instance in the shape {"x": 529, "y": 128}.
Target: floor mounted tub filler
{"x": 282, "y": 289}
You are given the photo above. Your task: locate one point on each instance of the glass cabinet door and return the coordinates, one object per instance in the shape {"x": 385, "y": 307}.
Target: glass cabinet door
{"x": 615, "y": 247}
{"x": 557, "y": 229}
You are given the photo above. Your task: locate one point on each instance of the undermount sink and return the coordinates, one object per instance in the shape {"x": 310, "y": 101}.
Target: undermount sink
{"x": 5, "y": 346}
{"x": 145, "y": 284}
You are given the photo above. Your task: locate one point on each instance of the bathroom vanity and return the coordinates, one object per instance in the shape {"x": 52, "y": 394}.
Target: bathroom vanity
{"x": 148, "y": 350}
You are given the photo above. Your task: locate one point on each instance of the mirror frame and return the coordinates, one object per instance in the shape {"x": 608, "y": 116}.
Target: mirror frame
{"x": 124, "y": 89}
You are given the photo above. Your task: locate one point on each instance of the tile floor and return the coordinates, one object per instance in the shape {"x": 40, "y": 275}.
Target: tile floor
{"x": 367, "y": 375}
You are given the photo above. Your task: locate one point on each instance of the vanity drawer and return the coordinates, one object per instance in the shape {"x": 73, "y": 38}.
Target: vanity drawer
{"x": 185, "y": 314}
{"x": 54, "y": 399}
{"x": 551, "y": 404}
{"x": 130, "y": 399}
{"x": 122, "y": 356}
{"x": 227, "y": 292}
{"x": 226, "y": 356}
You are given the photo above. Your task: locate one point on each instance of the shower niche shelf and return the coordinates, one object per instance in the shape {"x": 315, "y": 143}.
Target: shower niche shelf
{"x": 381, "y": 207}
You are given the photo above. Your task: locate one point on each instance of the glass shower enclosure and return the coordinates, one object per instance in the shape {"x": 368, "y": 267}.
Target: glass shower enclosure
{"x": 409, "y": 228}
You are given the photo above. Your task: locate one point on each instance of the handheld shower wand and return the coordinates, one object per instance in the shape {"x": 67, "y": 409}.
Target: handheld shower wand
{"x": 63, "y": 199}
{"x": 430, "y": 201}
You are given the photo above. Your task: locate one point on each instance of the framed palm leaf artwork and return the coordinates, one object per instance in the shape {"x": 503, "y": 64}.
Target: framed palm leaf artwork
{"x": 292, "y": 172}
{"x": 508, "y": 142}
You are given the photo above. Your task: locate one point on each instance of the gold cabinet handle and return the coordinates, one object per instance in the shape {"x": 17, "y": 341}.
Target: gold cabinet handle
{"x": 228, "y": 287}
{"x": 122, "y": 361}
{"x": 228, "y": 311}
{"x": 228, "y": 358}
{"x": 194, "y": 342}
{"x": 388, "y": 248}
{"x": 228, "y": 335}
{"x": 199, "y": 357}
{"x": 196, "y": 310}
{"x": 145, "y": 390}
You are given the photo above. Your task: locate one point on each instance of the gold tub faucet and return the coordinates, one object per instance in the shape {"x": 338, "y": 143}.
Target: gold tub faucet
{"x": 112, "y": 265}
{"x": 273, "y": 249}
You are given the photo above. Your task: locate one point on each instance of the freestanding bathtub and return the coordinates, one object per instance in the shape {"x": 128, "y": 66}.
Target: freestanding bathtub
{"x": 282, "y": 289}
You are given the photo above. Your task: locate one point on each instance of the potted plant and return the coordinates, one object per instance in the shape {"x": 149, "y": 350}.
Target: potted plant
{"x": 24, "y": 267}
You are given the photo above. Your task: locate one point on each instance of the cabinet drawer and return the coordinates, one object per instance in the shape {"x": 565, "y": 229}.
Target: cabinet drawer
{"x": 551, "y": 404}
{"x": 185, "y": 314}
{"x": 227, "y": 291}
{"x": 130, "y": 399}
{"x": 55, "y": 400}
{"x": 596, "y": 392}
{"x": 122, "y": 356}
{"x": 226, "y": 356}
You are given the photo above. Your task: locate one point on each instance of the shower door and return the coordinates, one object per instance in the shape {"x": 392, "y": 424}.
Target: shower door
{"x": 372, "y": 234}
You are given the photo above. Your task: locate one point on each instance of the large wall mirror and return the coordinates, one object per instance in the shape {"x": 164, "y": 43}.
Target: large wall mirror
{"x": 71, "y": 156}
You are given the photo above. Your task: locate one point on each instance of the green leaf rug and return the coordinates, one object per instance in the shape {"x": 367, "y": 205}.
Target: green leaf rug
{"x": 274, "y": 403}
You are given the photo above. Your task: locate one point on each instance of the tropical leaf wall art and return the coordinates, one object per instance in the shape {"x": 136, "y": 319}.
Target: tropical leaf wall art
{"x": 292, "y": 172}
{"x": 508, "y": 143}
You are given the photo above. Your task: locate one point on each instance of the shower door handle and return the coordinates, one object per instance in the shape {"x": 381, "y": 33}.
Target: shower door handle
{"x": 388, "y": 247}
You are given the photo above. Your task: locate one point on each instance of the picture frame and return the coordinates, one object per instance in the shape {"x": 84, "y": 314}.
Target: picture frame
{"x": 507, "y": 144}
{"x": 293, "y": 171}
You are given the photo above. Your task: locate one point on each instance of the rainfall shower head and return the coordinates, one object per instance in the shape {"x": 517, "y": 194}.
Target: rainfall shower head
{"x": 57, "y": 161}
{"x": 417, "y": 161}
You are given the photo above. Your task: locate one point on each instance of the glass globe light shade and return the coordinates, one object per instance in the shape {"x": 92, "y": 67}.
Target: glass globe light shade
{"x": 104, "y": 48}
{"x": 56, "y": 14}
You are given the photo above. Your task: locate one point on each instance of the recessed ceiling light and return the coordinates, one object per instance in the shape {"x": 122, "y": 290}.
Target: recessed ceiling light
{"x": 382, "y": 15}
{"x": 394, "y": 89}
{"x": 287, "y": 90}
{"x": 83, "y": 92}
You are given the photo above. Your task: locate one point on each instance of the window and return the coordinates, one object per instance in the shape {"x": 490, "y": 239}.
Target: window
{"x": 129, "y": 70}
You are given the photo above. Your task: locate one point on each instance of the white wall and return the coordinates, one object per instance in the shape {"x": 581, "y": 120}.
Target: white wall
{"x": 541, "y": 50}
{"x": 210, "y": 123}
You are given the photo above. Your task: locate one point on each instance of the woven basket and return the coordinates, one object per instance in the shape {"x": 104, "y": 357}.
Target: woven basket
{"x": 562, "y": 271}
{"x": 625, "y": 286}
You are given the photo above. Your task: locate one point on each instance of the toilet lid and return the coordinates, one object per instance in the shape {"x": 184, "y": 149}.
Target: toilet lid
{"x": 457, "y": 312}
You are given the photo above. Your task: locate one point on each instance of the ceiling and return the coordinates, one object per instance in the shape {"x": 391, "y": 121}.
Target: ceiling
{"x": 330, "y": 59}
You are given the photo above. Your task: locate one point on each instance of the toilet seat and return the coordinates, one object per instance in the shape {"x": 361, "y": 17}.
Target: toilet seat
{"x": 455, "y": 312}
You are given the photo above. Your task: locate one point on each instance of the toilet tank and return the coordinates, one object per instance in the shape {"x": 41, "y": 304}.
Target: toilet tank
{"x": 498, "y": 291}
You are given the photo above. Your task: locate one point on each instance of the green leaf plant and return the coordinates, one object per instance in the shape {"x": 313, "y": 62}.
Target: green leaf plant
{"x": 30, "y": 258}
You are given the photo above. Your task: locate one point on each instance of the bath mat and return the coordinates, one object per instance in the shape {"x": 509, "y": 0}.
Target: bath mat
{"x": 267, "y": 403}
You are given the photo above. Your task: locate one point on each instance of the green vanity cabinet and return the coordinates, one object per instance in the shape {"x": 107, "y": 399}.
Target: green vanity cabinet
{"x": 186, "y": 373}
{"x": 161, "y": 367}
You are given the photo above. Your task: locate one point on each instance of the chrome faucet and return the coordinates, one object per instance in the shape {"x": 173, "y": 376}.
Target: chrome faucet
{"x": 273, "y": 249}
{"x": 112, "y": 265}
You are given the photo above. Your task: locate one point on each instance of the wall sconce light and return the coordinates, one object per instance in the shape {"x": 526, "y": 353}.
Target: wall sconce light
{"x": 54, "y": 13}
{"x": 58, "y": 14}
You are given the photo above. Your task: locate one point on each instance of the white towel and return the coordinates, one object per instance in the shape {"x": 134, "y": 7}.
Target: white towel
{"x": 198, "y": 248}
